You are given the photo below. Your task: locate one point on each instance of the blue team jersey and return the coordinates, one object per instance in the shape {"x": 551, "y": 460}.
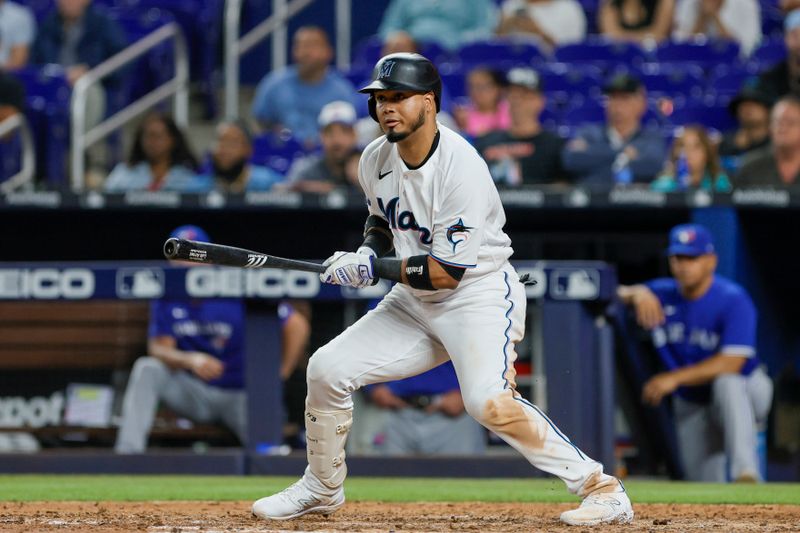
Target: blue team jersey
{"x": 435, "y": 381}
{"x": 215, "y": 327}
{"x": 723, "y": 320}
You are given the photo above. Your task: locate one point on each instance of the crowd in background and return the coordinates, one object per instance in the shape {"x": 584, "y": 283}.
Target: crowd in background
{"x": 319, "y": 119}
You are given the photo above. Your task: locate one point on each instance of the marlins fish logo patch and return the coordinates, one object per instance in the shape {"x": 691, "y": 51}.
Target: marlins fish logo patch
{"x": 458, "y": 233}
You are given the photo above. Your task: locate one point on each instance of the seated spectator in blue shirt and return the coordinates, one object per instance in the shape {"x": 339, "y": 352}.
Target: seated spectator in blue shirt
{"x": 321, "y": 173}
{"x": 693, "y": 163}
{"x": 231, "y": 169}
{"x": 293, "y": 97}
{"x": 160, "y": 160}
{"x": 12, "y": 103}
{"x": 17, "y": 31}
{"x": 449, "y": 23}
{"x": 426, "y": 416}
{"x": 196, "y": 362}
{"x": 704, "y": 330}
{"x": 79, "y": 36}
{"x": 621, "y": 151}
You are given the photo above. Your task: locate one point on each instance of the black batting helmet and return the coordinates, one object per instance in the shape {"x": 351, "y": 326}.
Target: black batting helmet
{"x": 404, "y": 72}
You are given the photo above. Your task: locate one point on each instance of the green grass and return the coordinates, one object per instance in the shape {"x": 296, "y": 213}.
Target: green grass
{"x": 144, "y": 488}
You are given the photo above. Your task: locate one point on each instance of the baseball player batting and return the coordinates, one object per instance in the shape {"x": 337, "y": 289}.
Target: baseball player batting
{"x": 430, "y": 198}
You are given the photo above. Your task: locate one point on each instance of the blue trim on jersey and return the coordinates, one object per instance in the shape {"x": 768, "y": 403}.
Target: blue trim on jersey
{"x": 553, "y": 426}
{"x": 505, "y": 369}
{"x": 508, "y": 328}
{"x": 450, "y": 263}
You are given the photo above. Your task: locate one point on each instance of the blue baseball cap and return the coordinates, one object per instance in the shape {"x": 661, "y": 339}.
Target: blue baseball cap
{"x": 690, "y": 239}
{"x": 190, "y": 232}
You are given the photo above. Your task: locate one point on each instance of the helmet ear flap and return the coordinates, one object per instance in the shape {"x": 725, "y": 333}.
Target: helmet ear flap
{"x": 371, "y": 105}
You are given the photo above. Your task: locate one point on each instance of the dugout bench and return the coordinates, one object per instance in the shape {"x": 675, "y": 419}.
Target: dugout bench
{"x": 568, "y": 343}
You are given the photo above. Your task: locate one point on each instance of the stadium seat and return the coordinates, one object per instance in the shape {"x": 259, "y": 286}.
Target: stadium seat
{"x": 568, "y": 84}
{"x": 601, "y": 52}
{"x": 717, "y": 117}
{"x": 276, "y": 152}
{"x": 725, "y": 82}
{"x": 502, "y": 54}
{"x": 770, "y": 52}
{"x": 673, "y": 80}
{"x": 701, "y": 51}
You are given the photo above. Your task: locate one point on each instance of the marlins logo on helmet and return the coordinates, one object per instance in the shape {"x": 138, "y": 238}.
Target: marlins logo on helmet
{"x": 458, "y": 233}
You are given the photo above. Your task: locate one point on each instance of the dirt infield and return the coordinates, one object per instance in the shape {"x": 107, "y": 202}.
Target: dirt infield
{"x": 174, "y": 517}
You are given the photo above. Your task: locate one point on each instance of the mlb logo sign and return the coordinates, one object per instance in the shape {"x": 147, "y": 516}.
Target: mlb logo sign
{"x": 686, "y": 236}
{"x": 140, "y": 283}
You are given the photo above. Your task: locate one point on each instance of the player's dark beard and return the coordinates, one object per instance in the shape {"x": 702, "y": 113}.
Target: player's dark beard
{"x": 394, "y": 137}
{"x": 229, "y": 174}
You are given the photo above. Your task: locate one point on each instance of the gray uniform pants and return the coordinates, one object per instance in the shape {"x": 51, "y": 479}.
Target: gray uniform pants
{"x": 718, "y": 441}
{"x": 152, "y": 381}
{"x": 412, "y": 431}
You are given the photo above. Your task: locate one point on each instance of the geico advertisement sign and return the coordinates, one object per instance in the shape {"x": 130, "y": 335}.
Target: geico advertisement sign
{"x": 36, "y": 412}
{"x": 47, "y": 283}
{"x": 264, "y": 283}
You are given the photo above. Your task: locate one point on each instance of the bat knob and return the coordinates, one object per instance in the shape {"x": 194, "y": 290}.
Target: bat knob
{"x": 171, "y": 248}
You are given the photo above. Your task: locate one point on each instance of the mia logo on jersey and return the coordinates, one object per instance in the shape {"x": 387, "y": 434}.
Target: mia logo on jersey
{"x": 386, "y": 70}
{"x": 404, "y": 220}
{"x": 458, "y": 233}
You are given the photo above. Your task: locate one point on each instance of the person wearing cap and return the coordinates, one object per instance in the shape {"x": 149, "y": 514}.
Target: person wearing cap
{"x": 751, "y": 108}
{"x": 293, "y": 97}
{"x": 231, "y": 169}
{"x": 17, "y": 31}
{"x": 777, "y": 164}
{"x": 784, "y": 77}
{"x": 321, "y": 173}
{"x": 195, "y": 362}
{"x": 621, "y": 151}
{"x": 525, "y": 153}
{"x": 704, "y": 329}
{"x": 732, "y": 20}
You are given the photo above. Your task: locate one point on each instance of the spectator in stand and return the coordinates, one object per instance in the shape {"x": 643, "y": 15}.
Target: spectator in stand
{"x": 17, "y": 31}
{"x": 704, "y": 330}
{"x": 449, "y": 23}
{"x": 734, "y": 20}
{"x": 79, "y": 37}
{"x": 550, "y": 22}
{"x": 488, "y": 108}
{"x": 351, "y": 168}
{"x": 425, "y": 415}
{"x": 777, "y": 164}
{"x": 525, "y": 153}
{"x": 751, "y": 109}
{"x": 12, "y": 102}
{"x": 784, "y": 77}
{"x": 693, "y": 163}
{"x": 293, "y": 97}
{"x": 231, "y": 169}
{"x": 160, "y": 160}
{"x": 621, "y": 151}
{"x": 324, "y": 172}
{"x": 646, "y": 22}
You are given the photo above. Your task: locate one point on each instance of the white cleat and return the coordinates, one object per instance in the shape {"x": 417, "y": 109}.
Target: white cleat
{"x": 297, "y": 500}
{"x": 606, "y": 508}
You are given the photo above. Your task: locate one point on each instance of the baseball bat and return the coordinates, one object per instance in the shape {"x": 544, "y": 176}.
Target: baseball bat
{"x": 218, "y": 254}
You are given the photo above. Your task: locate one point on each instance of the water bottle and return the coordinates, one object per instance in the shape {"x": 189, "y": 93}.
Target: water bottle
{"x": 682, "y": 175}
{"x": 622, "y": 170}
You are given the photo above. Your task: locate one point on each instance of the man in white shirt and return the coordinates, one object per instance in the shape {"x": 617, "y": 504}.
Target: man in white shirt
{"x": 553, "y": 22}
{"x": 736, "y": 20}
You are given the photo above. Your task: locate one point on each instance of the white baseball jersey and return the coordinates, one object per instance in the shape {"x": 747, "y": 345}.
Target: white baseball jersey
{"x": 447, "y": 208}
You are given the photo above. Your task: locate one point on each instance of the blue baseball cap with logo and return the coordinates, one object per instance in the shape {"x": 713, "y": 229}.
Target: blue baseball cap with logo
{"x": 690, "y": 239}
{"x": 190, "y": 232}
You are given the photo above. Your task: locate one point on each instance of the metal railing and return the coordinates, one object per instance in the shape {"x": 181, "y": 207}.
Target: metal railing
{"x": 177, "y": 87}
{"x": 25, "y": 174}
{"x": 274, "y": 25}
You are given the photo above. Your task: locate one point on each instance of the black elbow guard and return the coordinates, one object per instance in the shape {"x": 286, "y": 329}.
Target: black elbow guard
{"x": 378, "y": 236}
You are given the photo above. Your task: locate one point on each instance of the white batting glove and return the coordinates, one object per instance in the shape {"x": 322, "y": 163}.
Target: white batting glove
{"x": 348, "y": 269}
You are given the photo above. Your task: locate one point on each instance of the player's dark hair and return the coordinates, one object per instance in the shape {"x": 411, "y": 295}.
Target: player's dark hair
{"x": 181, "y": 153}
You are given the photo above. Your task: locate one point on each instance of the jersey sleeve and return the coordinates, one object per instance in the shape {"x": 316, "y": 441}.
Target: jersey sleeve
{"x": 738, "y": 334}
{"x": 160, "y": 319}
{"x": 463, "y": 206}
{"x": 364, "y": 166}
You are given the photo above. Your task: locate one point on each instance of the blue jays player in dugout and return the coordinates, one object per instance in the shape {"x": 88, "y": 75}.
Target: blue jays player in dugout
{"x": 704, "y": 330}
{"x": 431, "y": 198}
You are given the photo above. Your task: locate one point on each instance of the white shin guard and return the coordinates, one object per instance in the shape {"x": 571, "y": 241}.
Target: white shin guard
{"x": 326, "y": 434}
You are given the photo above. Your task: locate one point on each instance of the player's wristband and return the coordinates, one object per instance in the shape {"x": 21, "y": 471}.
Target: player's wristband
{"x": 416, "y": 271}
